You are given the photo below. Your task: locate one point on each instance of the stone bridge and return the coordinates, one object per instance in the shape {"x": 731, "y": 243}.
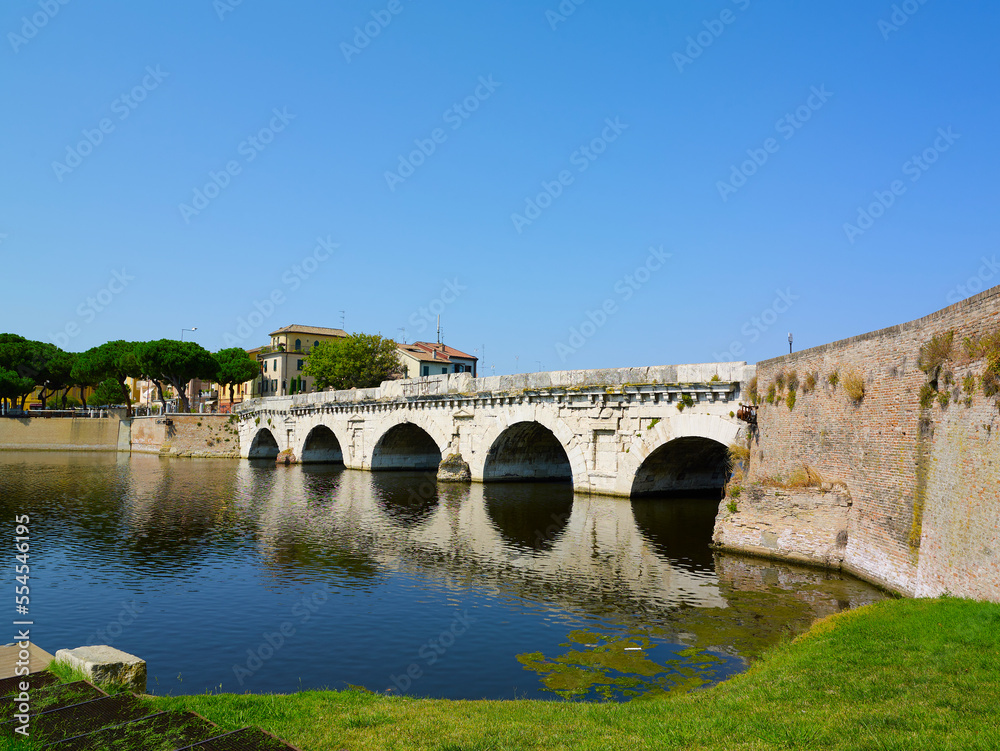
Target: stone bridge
{"x": 623, "y": 432}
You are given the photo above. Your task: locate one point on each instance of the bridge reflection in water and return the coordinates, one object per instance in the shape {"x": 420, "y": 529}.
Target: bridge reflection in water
{"x": 644, "y": 563}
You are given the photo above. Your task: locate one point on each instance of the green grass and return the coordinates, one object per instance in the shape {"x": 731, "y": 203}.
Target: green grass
{"x": 901, "y": 674}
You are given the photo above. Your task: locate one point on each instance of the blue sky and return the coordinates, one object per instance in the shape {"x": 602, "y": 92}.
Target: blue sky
{"x": 620, "y": 184}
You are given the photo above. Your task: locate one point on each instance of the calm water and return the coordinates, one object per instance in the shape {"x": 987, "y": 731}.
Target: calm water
{"x": 229, "y": 575}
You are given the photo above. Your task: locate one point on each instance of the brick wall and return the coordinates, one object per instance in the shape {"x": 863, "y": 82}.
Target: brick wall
{"x": 925, "y": 483}
{"x": 197, "y": 435}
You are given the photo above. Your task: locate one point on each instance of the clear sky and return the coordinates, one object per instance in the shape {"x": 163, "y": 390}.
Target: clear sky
{"x": 670, "y": 181}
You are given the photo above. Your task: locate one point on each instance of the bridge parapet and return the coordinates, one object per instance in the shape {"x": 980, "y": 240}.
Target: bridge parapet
{"x": 666, "y": 379}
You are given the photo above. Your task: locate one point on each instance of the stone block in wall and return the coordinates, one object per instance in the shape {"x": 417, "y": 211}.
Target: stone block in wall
{"x": 807, "y": 525}
{"x": 104, "y": 664}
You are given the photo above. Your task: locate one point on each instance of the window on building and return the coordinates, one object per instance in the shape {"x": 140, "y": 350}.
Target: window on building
{"x": 298, "y": 345}
{"x": 316, "y": 343}
{"x": 424, "y": 369}
{"x": 300, "y": 364}
{"x": 265, "y": 366}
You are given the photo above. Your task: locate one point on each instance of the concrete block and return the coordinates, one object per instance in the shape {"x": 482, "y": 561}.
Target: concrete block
{"x": 104, "y": 664}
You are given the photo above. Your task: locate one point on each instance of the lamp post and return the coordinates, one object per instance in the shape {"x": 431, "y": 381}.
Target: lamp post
{"x": 789, "y": 342}
{"x": 183, "y": 330}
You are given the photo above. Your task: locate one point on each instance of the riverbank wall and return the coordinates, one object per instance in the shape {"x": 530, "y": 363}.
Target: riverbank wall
{"x": 188, "y": 435}
{"x": 916, "y": 457}
{"x": 59, "y": 433}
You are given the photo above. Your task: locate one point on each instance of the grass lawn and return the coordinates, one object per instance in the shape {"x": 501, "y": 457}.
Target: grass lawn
{"x": 900, "y": 674}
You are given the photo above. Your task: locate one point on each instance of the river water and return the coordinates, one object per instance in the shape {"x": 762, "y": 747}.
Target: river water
{"x": 228, "y": 575}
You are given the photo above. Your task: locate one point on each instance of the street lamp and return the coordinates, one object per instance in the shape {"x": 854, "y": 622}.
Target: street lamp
{"x": 789, "y": 342}
{"x": 183, "y": 330}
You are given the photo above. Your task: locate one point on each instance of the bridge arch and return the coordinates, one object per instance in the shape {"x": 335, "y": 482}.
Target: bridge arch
{"x": 263, "y": 446}
{"x": 683, "y": 453}
{"x": 506, "y": 441}
{"x": 406, "y": 445}
{"x": 321, "y": 446}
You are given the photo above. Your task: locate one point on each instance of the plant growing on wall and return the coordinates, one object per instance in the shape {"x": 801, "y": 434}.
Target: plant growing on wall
{"x": 686, "y": 400}
{"x": 833, "y": 379}
{"x": 790, "y": 399}
{"x": 854, "y": 386}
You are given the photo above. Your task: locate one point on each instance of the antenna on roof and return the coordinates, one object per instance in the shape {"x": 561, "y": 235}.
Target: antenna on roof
{"x": 439, "y": 328}
{"x": 342, "y": 320}
{"x": 402, "y": 331}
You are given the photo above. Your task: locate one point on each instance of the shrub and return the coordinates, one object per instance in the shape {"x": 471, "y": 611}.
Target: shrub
{"x": 752, "y": 390}
{"x": 810, "y": 384}
{"x": 833, "y": 379}
{"x": 714, "y": 378}
{"x": 738, "y": 453}
{"x": 806, "y": 477}
{"x": 935, "y": 352}
{"x": 943, "y": 398}
{"x": 653, "y": 423}
{"x": 854, "y": 386}
{"x": 771, "y": 394}
{"x": 731, "y": 506}
{"x": 969, "y": 384}
{"x": 779, "y": 380}
{"x": 793, "y": 380}
{"x": 686, "y": 400}
{"x": 926, "y": 396}
{"x": 790, "y": 399}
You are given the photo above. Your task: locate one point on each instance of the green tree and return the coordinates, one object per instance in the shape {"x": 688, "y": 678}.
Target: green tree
{"x": 235, "y": 366}
{"x": 14, "y": 387}
{"x": 115, "y": 360}
{"x": 360, "y": 361}
{"x": 176, "y": 363}
{"x": 44, "y": 363}
{"x": 110, "y": 392}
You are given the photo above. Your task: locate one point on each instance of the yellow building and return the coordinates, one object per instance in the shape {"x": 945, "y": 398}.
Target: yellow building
{"x": 282, "y": 361}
